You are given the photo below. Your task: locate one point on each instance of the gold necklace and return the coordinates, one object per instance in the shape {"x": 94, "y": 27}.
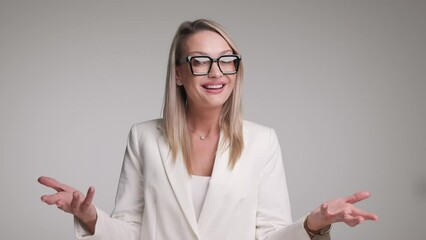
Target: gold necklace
{"x": 202, "y": 137}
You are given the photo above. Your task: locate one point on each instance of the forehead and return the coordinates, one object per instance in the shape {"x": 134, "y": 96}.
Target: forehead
{"x": 207, "y": 42}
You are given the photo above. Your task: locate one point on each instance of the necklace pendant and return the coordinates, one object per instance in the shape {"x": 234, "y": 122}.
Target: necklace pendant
{"x": 202, "y": 138}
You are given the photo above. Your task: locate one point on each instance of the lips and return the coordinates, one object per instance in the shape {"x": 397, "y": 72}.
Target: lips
{"x": 213, "y": 86}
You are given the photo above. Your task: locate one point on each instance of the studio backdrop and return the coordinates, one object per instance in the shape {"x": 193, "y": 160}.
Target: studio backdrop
{"x": 341, "y": 82}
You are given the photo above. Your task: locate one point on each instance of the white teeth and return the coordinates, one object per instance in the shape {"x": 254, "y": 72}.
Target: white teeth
{"x": 214, "y": 86}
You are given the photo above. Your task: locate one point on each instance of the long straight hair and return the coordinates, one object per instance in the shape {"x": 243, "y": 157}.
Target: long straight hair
{"x": 174, "y": 107}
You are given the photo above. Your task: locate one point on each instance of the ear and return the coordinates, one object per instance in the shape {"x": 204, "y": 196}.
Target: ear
{"x": 177, "y": 74}
{"x": 178, "y": 78}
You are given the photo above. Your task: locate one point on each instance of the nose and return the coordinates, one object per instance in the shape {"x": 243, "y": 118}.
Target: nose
{"x": 215, "y": 71}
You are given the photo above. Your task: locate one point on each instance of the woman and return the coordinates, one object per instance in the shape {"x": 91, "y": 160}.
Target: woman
{"x": 202, "y": 172}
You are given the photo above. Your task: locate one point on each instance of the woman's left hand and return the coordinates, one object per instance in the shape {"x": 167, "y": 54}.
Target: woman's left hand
{"x": 340, "y": 210}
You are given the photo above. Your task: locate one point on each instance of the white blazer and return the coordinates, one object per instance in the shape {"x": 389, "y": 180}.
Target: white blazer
{"x": 154, "y": 200}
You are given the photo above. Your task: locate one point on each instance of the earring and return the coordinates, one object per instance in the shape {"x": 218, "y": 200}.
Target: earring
{"x": 179, "y": 83}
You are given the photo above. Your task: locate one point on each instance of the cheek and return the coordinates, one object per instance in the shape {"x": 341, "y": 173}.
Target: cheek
{"x": 232, "y": 83}
{"x": 192, "y": 89}
{"x": 183, "y": 73}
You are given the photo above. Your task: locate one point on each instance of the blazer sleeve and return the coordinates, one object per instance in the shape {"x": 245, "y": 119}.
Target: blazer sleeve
{"x": 126, "y": 219}
{"x": 273, "y": 217}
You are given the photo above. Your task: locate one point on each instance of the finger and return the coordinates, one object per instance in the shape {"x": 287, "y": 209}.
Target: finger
{"x": 324, "y": 210}
{"x": 89, "y": 197}
{"x": 353, "y": 221}
{"x": 61, "y": 204}
{"x": 359, "y": 196}
{"x": 50, "y": 182}
{"x": 50, "y": 199}
{"x": 75, "y": 203}
{"x": 365, "y": 215}
{"x": 53, "y": 183}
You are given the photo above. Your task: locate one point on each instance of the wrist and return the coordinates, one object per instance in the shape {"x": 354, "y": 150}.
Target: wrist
{"x": 89, "y": 225}
{"x": 315, "y": 229}
{"x": 314, "y": 221}
{"x": 89, "y": 219}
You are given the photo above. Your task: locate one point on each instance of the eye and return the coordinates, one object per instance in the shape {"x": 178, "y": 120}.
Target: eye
{"x": 228, "y": 59}
{"x": 200, "y": 61}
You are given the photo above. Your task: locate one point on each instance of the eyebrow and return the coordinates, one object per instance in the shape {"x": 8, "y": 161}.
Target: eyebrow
{"x": 204, "y": 53}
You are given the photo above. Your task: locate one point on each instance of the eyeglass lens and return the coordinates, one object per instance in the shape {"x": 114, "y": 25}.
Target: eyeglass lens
{"x": 227, "y": 64}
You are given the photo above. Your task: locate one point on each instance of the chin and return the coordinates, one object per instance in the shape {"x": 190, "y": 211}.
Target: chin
{"x": 220, "y": 103}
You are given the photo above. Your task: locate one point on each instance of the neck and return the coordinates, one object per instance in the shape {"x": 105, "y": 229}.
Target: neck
{"x": 204, "y": 122}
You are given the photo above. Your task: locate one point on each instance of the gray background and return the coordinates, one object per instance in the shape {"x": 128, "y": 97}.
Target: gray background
{"x": 342, "y": 82}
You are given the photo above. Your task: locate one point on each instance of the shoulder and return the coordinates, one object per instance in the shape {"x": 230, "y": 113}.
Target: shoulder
{"x": 252, "y": 126}
{"x": 147, "y": 128}
{"x": 259, "y": 135}
{"x": 147, "y": 125}
{"x": 251, "y": 129}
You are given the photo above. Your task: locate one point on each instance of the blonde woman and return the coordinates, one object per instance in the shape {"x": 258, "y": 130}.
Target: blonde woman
{"x": 201, "y": 172}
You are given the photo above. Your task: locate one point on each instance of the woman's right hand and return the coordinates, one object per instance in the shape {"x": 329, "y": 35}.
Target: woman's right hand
{"x": 72, "y": 201}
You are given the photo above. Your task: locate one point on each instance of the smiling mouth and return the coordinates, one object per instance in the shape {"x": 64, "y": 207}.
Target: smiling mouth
{"x": 214, "y": 87}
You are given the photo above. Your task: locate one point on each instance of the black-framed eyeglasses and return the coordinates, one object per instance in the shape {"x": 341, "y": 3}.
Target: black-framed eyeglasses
{"x": 201, "y": 65}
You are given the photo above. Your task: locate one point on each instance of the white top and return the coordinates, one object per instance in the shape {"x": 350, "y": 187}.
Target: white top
{"x": 199, "y": 186}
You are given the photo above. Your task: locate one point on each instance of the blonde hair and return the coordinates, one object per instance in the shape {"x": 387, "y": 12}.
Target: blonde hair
{"x": 174, "y": 108}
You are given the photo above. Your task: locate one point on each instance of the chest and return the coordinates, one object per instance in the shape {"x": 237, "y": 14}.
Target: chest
{"x": 203, "y": 156}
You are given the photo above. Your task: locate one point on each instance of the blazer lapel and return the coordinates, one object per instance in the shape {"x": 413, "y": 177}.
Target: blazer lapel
{"x": 179, "y": 180}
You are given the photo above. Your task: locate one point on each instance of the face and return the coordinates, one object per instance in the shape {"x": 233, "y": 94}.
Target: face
{"x": 212, "y": 90}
